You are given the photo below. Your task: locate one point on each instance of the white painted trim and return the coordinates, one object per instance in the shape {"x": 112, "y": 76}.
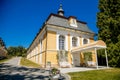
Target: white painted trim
{"x": 41, "y": 46}
{"x": 71, "y": 42}
{"x": 33, "y": 51}
{"x": 73, "y": 25}
{"x": 40, "y": 58}
{"x": 88, "y": 41}
{"x": 78, "y": 41}
{"x": 57, "y": 41}
{"x": 36, "y": 49}
{"x": 82, "y": 40}
{"x": 88, "y": 48}
{"x": 66, "y": 42}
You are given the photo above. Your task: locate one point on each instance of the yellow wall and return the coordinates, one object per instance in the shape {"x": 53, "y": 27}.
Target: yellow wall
{"x": 80, "y": 41}
{"x": 93, "y": 56}
{"x": 51, "y": 41}
{"x": 93, "y": 53}
{"x": 81, "y": 58}
{"x": 52, "y": 57}
{"x": 44, "y": 42}
{"x": 69, "y": 57}
{"x": 38, "y": 53}
{"x": 91, "y": 40}
{"x": 44, "y": 49}
{"x": 69, "y": 54}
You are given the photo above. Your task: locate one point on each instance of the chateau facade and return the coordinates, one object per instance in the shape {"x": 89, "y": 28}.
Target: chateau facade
{"x": 62, "y": 41}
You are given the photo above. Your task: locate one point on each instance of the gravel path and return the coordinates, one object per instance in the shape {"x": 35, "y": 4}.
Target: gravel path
{"x": 14, "y": 61}
{"x": 11, "y": 70}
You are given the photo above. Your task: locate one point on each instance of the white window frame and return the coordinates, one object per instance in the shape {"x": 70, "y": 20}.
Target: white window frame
{"x": 74, "y": 42}
{"x": 61, "y": 42}
{"x": 66, "y": 41}
{"x": 88, "y": 41}
{"x": 78, "y": 41}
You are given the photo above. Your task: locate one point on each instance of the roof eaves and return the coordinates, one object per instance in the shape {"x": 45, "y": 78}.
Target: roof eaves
{"x": 36, "y": 35}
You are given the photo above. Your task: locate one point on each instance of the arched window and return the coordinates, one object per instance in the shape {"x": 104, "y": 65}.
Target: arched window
{"x": 74, "y": 42}
{"x": 61, "y": 42}
{"x": 85, "y": 41}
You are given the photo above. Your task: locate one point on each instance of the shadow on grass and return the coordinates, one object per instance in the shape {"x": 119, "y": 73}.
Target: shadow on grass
{"x": 9, "y": 72}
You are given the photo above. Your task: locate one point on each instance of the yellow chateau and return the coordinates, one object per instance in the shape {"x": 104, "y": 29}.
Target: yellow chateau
{"x": 63, "y": 41}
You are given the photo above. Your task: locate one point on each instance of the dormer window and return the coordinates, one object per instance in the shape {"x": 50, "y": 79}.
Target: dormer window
{"x": 72, "y": 21}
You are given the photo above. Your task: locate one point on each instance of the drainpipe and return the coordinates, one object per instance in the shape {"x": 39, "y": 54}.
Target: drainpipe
{"x": 46, "y": 47}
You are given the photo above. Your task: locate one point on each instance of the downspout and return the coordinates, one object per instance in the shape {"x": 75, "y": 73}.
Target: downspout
{"x": 46, "y": 47}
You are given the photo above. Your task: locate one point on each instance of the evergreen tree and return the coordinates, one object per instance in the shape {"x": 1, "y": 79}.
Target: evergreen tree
{"x": 108, "y": 22}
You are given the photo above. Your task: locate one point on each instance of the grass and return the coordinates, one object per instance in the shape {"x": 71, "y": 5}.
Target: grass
{"x": 4, "y": 60}
{"x": 28, "y": 63}
{"x": 107, "y": 74}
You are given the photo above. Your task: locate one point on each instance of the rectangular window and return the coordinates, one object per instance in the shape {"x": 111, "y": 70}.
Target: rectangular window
{"x": 74, "y": 42}
{"x": 61, "y": 44}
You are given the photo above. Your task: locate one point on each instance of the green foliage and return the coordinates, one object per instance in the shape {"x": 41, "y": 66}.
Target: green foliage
{"x": 108, "y": 22}
{"x": 101, "y": 52}
{"x": 114, "y": 56}
{"x": 62, "y": 55}
{"x": 17, "y": 51}
{"x": 54, "y": 71}
{"x": 87, "y": 56}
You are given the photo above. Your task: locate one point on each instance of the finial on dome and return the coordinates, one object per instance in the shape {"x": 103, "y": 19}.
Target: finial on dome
{"x": 61, "y": 11}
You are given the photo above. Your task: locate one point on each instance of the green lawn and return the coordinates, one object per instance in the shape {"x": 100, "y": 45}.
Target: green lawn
{"x": 107, "y": 74}
{"x": 28, "y": 63}
{"x": 4, "y": 60}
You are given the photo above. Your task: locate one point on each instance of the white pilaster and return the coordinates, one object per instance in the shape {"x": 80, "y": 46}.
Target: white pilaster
{"x": 106, "y": 57}
{"x": 96, "y": 58}
{"x": 66, "y": 42}
{"x": 78, "y": 41}
{"x": 57, "y": 42}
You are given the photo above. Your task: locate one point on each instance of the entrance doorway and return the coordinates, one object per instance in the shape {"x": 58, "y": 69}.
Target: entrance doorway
{"x": 76, "y": 59}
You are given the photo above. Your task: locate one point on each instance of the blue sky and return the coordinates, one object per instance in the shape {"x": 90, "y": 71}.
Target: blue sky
{"x": 20, "y": 20}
